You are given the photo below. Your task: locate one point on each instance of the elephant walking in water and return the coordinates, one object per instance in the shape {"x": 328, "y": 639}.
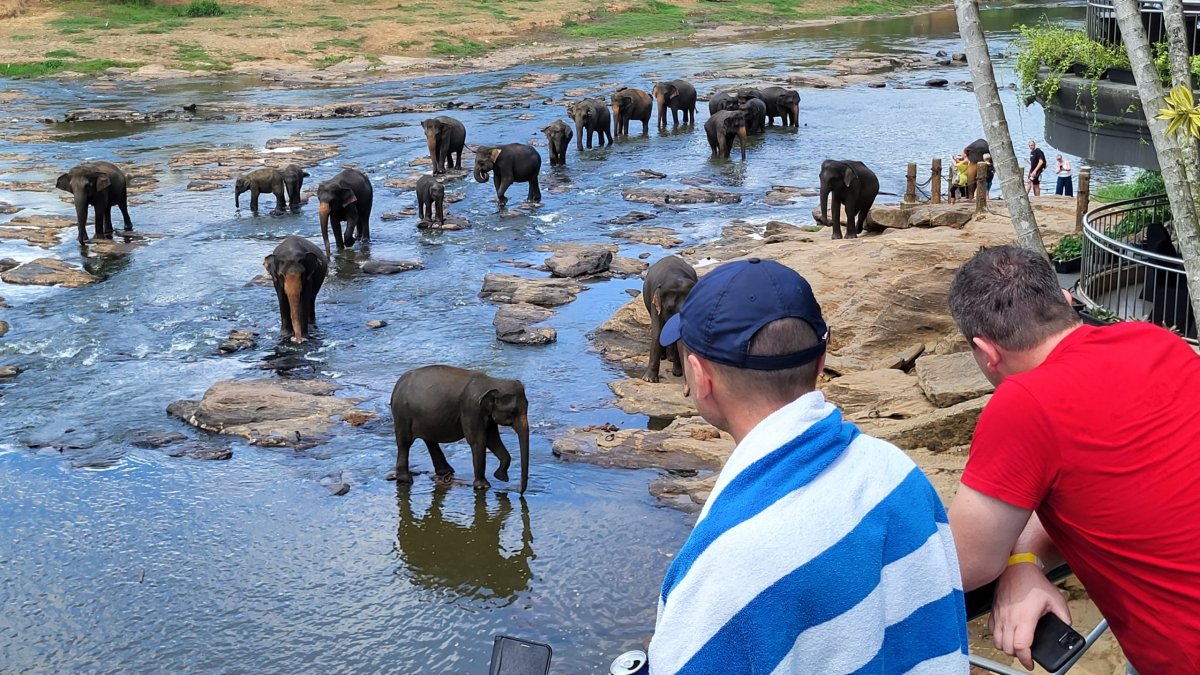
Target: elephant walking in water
{"x": 347, "y": 198}
{"x": 851, "y": 184}
{"x": 630, "y": 104}
{"x": 293, "y": 180}
{"x": 784, "y": 104}
{"x": 721, "y": 128}
{"x": 297, "y": 268}
{"x": 677, "y": 95}
{"x": 445, "y": 136}
{"x": 444, "y": 404}
{"x": 100, "y": 185}
{"x": 591, "y": 116}
{"x": 513, "y": 163}
{"x": 558, "y": 138}
{"x": 257, "y": 182}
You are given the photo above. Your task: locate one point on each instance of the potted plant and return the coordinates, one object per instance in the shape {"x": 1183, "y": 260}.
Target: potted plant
{"x": 1067, "y": 254}
{"x": 1098, "y": 316}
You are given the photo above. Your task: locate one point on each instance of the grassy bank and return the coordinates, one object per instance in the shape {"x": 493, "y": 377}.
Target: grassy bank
{"x": 214, "y": 35}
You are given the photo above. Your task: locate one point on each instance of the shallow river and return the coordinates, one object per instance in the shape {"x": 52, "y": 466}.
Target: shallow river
{"x": 114, "y": 558}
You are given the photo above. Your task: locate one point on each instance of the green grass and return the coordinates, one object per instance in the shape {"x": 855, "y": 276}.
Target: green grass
{"x": 83, "y": 40}
{"x": 326, "y": 61}
{"x": 491, "y": 7}
{"x": 869, "y": 7}
{"x": 61, "y": 54}
{"x": 23, "y": 37}
{"x": 19, "y": 71}
{"x": 202, "y": 8}
{"x": 647, "y": 18}
{"x": 195, "y": 57}
{"x": 328, "y": 22}
{"x": 248, "y": 57}
{"x": 1115, "y": 192}
{"x": 297, "y": 52}
{"x": 406, "y": 44}
{"x": 144, "y": 14}
{"x": 344, "y": 43}
{"x": 451, "y": 46}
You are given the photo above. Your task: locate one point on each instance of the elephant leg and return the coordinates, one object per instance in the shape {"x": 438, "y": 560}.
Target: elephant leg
{"x": 280, "y": 202}
{"x": 676, "y": 364}
{"x": 656, "y": 350}
{"x": 496, "y": 445}
{"x": 837, "y": 217}
{"x": 285, "y": 313}
{"x": 440, "y": 466}
{"x": 501, "y": 188}
{"x": 441, "y": 212}
{"x": 125, "y": 213}
{"x": 108, "y": 228}
{"x": 443, "y": 157}
{"x": 337, "y": 233}
{"x": 535, "y": 192}
{"x": 99, "y": 221}
{"x": 645, "y": 126}
{"x": 479, "y": 460}
{"x": 851, "y": 215}
{"x": 589, "y": 138}
{"x": 254, "y": 198}
{"x": 605, "y": 132}
{"x": 458, "y": 159}
{"x": 404, "y": 441}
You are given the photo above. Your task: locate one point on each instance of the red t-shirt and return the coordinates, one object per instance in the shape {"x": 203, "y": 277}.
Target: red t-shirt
{"x": 1103, "y": 441}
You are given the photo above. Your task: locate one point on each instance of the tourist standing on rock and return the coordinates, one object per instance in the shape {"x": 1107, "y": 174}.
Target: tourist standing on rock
{"x": 959, "y": 186}
{"x": 1062, "y": 168}
{"x": 1088, "y": 452}
{"x": 1037, "y": 164}
{"x": 820, "y": 549}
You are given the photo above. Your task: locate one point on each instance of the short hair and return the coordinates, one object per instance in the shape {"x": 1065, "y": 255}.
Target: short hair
{"x": 782, "y": 336}
{"x": 1011, "y": 296}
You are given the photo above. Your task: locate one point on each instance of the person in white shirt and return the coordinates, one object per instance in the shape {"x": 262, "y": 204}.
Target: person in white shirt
{"x": 1063, "y": 170}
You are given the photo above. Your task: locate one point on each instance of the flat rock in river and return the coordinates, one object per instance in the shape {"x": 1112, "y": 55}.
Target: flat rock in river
{"x": 691, "y": 195}
{"x": 48, "y": 272}
{"x": 658, "y": 236}
{"x": 688, "y": 443}
{"x": 623, "y": 268}
{"x": 3, "y": 327}
{"x": 271, "y": 412}
{"x": 514, "y": 324}
{"x": 509, "y": 288}
{"x": 391, "y": 266}
{"x": 950, "y": 379}
{"x": 662, "y": 400}
{"x": 577, "y": 260}
{"x": 686, "y": 493}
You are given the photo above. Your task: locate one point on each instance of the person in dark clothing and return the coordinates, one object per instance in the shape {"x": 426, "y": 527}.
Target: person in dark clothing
{"x": 1037, "y": 164}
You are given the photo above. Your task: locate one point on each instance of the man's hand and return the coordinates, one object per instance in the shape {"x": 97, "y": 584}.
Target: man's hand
{"x": 1023, "y": 595}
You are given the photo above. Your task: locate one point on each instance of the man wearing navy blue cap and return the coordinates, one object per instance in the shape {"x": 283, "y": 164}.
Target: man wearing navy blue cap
{"x": 820, "y": 549}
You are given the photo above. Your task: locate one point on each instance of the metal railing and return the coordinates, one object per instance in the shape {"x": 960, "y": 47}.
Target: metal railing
{"x": 1102, "y": 22}
{"x": 1130, "y": 268}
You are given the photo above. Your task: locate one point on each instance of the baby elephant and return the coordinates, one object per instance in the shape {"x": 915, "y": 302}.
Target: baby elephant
{"x": 430, "y": 194}
{"x": 444, "y": 404}
{"x": 558, "y": 137}
{"x": 297, "y": 267}
{"x": 722, "y": 128}
{"x": 261, "y": 180}
{"x": 293, "y": 180}
{"x": 667, "y": 285}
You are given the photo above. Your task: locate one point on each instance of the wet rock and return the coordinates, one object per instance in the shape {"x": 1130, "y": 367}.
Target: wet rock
{"x": 508, "y": 289}
{"x": 688, "y": 443}
{"x": 577, "y": 260}
{"x": 201, "y": 451}
{"x": 782, "y": 195}
{"x": 940, "y": 53}
{"x": 951, "y": 379}
{"x": 48, "y": 272}
{"x": 3, "y": 327}
{"x": 630, "y": 218}
{"x": 9, "y": 372}
{"x": 875, "y": 394}
{"x": 648, "y": 174}
{"x": 25, "y": 186}
{"x": 940, "y": 430}
{"x": 261, "y": 279}
{"x": 625, "y": 337}
{"x": 876, "y": 84}
{"x": 157, "y": 439}
{"x": 959, "y": 57}
{"x": 643, "y": 255}
{"x": 657, "y": 236}
{"x": 936, "y": 82}
{"x": 688, "y": 494}
{"x": 623, "y": 268}
{"x": 660, "y": 400}
{"x": 390, "y": 266}
{"x": 271, "y": 412}
{"x": 870, "y": 224}
{"x": 377, "y": 323}
{"x": 336, "y": 484}
{"x": 7, "y": 264}
{"x": 691, "y": 195}
{"x": 396, "y": 215}
{"x": 41, "y": 231}
{"x": 61, "y": 440}
{"x": 695, "y": 181}
{"x": 203, "y": 186}
{"x": 7, "y": 209}
{"x": 513, "y": 325}
{"x": 453, "y": 222}
{"x": 238, "y": 340}
{"x": 409, "y": 183}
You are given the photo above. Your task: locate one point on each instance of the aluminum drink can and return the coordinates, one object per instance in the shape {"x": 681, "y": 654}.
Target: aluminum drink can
{"x": 630, "y": 663}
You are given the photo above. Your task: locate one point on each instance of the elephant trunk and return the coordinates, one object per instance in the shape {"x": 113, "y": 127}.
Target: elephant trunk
{"x": 662, "y": 110}
{"x": 480, "y": 176}
{"x": 796, "y": 115}
{"x": 616, "y": 118}
{"x": 324, "y": 215}
{"x": 579, "y": 135}
{"x": 81, "y": 209}
{"x": 521, "y": 426}
{"x": 431, "y": 141}
{"x": 742, "y": 140}
{"x": 292, "y": 289}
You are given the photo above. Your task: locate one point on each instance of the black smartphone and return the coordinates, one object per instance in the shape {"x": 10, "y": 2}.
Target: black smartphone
{"x": 514, "y": 656}
{"x": 1054, "y": 643}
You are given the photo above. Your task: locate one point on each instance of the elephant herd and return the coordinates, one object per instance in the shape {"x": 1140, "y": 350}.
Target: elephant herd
{"x": 443, "y": 404}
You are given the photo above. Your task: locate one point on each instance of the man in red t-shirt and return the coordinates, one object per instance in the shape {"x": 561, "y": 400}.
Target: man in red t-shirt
{"x": 1089, "y": 451}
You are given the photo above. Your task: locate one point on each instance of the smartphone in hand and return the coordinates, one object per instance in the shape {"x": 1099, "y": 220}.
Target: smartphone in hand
{"x": 1054, "y": 643}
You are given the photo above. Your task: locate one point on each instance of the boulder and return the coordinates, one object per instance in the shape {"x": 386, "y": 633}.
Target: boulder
{"x": 649, "y": 174}
{"x": 941, "y": 430}
{"x": 625, "y": 337}
{"x": 513, "y": 324}
{"x": 660, "y": 400}
{"x": 157, "y": 439}
{"x": 203, "y": 186}
{"x": 48, "y": 272}
{"x": 952, "y": 378}
{"x": 783, "y": 195}
{"x": 376, "y": 323}
{"x": 41, "y": 231}
{"x": 686, "y": 493}
{"x": 577, "y": 260}
{"x": 899, "y": 216}
{"x": 452, "y": 223}
{"x": 903, "y": 359}
{"x": 691, "y": 195}
{"x": 202, "y": 451}
{"x": 3, "y": 327}
{"x": 271, "y": 412}
{"x": 875, "y": 394}
{"x": 630, "y": 218}
{"x": 657, "y": 236}
{"x": 936, "y": 82}
{"x": 7, "y": 264}
{"x": 509, "y": 288}
{"x": 870, "y": 223}
{"x": 239, "y": 339}
{"x": 61, "y": 439}
{"x": 391, "y": 266}
{"x": 9, "y": 372}
{"x": 623, "y": 268}
{"x": 688, "y": 443}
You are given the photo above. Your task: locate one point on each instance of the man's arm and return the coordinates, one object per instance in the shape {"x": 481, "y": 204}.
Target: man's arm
{"x": 985, "y": 532}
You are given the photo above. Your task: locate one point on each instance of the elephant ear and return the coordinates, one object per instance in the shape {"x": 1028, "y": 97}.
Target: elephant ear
{"x": 303, "y": 173}
{"x": 656, "y": 302}
{"x": 311, "y": 262}
{"x": 348, "y": 197}
{"x": 102, "y": 182}
{"x": 848, "y": 176}
{"x": 64, "y": 182}
{"x": 495, "y": 154}
{"x": 487, "y": 401}
{"x": 269, "y": 264}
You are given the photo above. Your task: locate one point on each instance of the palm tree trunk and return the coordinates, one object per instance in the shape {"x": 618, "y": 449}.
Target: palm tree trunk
{"x": 1171, "y": 157}
{"x": 995, "y": 127}
{"x": 1177, "y": 48}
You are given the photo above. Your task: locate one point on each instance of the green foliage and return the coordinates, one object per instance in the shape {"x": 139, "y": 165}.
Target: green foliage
{"x": 19, "y": 71}
{"x": 61, "y": 54}
{"x": 644, "y": 18}
{"x": 1069, "y": 247}
{"x": 146, "y": 15}
{"x": 446, "y": 45}
{"x": 202, "y": 8}
{"x": 195, "y": 57}
{"x": 344, "y": 43}
{"x": 869, "y": 7}
{"x": 1058, "y": 49}
{"x": 326, "y": 61}
{"x": 328, "y": 22}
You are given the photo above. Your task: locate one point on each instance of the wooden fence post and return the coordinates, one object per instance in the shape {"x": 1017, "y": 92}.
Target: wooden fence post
{"x": 935, "y": 182}
{"x": 981, "y": 194}
{"x": 910, "y": 189}
{"x": 1082, "y": 194}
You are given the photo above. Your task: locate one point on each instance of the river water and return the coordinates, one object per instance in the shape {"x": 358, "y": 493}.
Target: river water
{"x": 114, "y": 558}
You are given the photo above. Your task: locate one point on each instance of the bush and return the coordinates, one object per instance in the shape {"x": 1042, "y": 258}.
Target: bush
{"x": 202, "y": 8}
{"x": 1069, "y": 247}
{"x": 1058, "y": 49}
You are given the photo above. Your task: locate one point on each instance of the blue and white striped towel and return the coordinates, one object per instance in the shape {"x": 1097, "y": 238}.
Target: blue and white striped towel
{"x": 820, "y": 550}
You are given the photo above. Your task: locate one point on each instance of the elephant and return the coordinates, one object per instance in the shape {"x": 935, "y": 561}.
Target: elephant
{"x": 347, "y": 198}
{"x": 784, "y": 104}
{"x": 431, "y": 194}
{"x": 513, "y": 163}
{"x": 667, "y": 285}
{"x": 721, "y": 128}
{"x": 725, "y": 100}
{"x": 755, "y": 112}
{"x": 678, "y": 95}
{"x": 293, "y": 179}
{"x": 100, "y": 185}
{"x": 257, "y": 182}
{"x": 591, "y": 116}
{"x": 631, "y": 104}
{"x": 297, "y": 267}
{"x": 445, "y": 136}
{"x": 974, "y": 152}
{"x": 558, "y": 137}
{"x": 444, "y": 404}
{"x": 852, "y": 185}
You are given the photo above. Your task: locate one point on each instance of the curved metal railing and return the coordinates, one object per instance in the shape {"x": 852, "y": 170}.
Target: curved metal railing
{"x": 1102, "y": 23}
{"x": 1130, "y": 268}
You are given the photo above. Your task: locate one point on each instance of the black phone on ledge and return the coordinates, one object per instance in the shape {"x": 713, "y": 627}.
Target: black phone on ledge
{"x": 1054, "y": 643}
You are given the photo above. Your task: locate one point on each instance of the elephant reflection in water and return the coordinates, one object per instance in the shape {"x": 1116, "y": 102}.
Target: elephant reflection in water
{"x": 470, "y": 558}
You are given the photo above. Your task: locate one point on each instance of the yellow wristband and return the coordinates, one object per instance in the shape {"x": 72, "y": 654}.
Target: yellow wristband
{"x": 1017, "y": 558}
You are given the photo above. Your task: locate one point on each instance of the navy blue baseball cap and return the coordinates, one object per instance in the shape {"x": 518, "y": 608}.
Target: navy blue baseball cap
{"x": 730, "y": 304}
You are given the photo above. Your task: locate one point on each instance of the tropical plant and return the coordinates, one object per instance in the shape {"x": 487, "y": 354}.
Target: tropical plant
{"x": 1181, "y": 114}
{"x": 1069, "y": 247}
{"x": 1058, "y": 49}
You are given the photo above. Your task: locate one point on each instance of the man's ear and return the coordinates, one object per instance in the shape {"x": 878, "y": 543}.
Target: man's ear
{"x": 1067, "y": 297}
{"x": 700, "y": 384}
{"x": 990, "y": 352}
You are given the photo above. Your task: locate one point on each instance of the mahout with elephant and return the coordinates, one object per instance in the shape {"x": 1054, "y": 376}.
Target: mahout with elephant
{"x": 297, "y": 268}
{"x": 345, "y": 198}
{"x": 257, "y": 182}
{"x": 443, "y": 404}
{"x": 755, "y": 112}
{"x": 100, "y": 185}
{"x": 431, "y": 195}
{"x": 591, "y": 117}
{"x": 445, "y": 136}
{"x": 630, "y": 104}
{"x": 852, "y": 185}
{"x": 511, "y": 163}
{"x": 677, "y": 96}
{"x": 782, "y": 103}
{"x": 722, "y": 128}
{"x": 558, "y": 139}
{"x": 293, "y": 180}
{"x": 666, "y": 286}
